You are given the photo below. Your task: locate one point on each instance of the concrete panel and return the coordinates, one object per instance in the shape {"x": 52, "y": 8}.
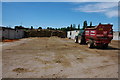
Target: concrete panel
{"x": 72, "y": 34}
{"x": 68, "y": 34}
{"x": 5, "y": 33}
{"x": 116, "y": 36}
{"x": 11, "y": 34}
{"x": 0, "y": 34}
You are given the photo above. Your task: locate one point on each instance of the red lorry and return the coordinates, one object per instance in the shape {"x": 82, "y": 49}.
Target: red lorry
{"x": 99, "y": 36}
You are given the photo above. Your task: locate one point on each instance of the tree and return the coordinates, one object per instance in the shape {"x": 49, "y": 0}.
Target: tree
{"x": 19, "y": 27}
{"x": 31, "y": 27}
{"x": 48, "y": 28}
{"x": 90, "y": 23}
{"x": 71, "y": 27}
{"x": 74, "y": 27}
{"x": 68, "y": 28}
{"x": 78, "y": 26}
{"x": 84, "y": 24}
{"x": 40, "y": 28}
{"x": 56, "y": 29}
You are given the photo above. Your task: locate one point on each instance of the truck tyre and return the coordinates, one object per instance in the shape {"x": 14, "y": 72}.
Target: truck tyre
{"x": 90, "y": 44}
{"x": 105, "y": 45}
{"x": 76, "y": 39}
{"x": 79, "y": 41}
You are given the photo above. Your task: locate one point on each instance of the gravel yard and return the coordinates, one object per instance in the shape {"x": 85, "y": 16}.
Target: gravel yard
{"x": 57, "y": 58}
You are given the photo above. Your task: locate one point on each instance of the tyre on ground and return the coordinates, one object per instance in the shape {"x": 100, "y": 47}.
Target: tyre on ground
{"x": 76, "y": 39}
{"x": 105, "y": 45}
{"x": 90, "y": 44}
{"x": 79, "y": 40}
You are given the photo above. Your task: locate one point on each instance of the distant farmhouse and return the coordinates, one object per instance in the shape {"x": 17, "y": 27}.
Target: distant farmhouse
{"x": 10, "y": 33}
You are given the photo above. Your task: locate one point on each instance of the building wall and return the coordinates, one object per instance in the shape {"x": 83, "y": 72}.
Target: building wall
{"x": 116, "y": 36}
{"x": 12, "y": 34}
{"x": 68, "y": 34}
{"x": 5, "y": 33}
{"x": 0, "y": 34}
{"x": 72, "y": 34}
{"x": 19, "y": 34}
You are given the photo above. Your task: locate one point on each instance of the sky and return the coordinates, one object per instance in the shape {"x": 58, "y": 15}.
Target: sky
{"x": 58, "y": 14}
{"x": 60, "y": 0}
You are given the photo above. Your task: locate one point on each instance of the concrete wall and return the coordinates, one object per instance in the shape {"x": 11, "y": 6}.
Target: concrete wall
{"x": 72, "y": 34}
{"x": 5, "y": 33}
{"x": 0, "y": 34}
{"x": 116, "y": 36}
{"x": 68, "y": 34}
{"x": 11, "y": 34}
{"x": 19, "y": 34}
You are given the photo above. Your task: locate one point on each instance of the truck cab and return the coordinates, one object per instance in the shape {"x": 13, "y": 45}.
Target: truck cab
{"x": 80, "y": 37}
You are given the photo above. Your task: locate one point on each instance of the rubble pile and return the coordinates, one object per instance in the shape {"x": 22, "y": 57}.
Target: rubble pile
{"x": 44, "y": 33}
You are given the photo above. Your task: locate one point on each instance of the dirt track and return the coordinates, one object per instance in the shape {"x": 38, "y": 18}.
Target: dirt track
{"x": 58, "y": 58}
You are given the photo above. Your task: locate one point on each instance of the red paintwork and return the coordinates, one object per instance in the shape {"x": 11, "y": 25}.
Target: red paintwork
{"x": 101, "y": 34}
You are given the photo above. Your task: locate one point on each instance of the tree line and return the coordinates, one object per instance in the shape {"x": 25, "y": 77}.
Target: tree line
{"x": 69, "y": 28}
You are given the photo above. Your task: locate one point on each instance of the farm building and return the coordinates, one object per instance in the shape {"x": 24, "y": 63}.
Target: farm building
{"x": 9, "y": 33}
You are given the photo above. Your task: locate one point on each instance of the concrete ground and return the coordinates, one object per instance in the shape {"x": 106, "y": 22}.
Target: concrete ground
{"x": 57, "y": 58}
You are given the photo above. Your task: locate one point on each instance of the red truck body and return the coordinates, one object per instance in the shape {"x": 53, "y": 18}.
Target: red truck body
{"x": 101, "y": 34}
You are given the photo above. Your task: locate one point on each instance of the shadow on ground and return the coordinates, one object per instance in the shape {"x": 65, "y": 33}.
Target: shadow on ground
{"x": 109, "y": 48}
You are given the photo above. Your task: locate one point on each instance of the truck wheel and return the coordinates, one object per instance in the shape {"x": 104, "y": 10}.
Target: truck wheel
{"x": 90, "y": 44}
{"x": 105, "y": 45}
{"x": 76, "y": 40}
{"x": 79, "y": 41}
